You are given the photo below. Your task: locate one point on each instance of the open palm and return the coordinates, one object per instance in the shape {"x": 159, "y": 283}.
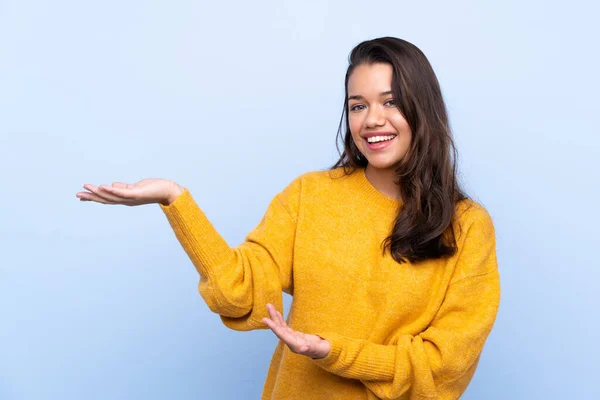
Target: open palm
{"x": 305, "y": 344}
{"x": 146, "y": 191}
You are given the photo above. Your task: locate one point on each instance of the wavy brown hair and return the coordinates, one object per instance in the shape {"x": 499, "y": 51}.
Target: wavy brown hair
{"x": 426, "y": 176}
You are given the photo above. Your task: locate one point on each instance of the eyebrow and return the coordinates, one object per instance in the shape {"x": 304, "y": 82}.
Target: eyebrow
{"x": 359, "y": 97}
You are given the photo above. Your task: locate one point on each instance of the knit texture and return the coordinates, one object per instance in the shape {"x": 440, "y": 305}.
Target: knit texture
{"x": 397, "y": 331}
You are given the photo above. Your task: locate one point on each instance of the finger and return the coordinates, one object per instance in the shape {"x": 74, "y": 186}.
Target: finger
{"x": 94, "y": 197}
{"x": 281, "y": 320}
{"x": 107, "y": 192}
{"x": 271, "y": 311}
{"x": 278, "y": 317}
{"x": 276, "y": 329}
{"x": 278, "y": 320}
{"x": 124, "y": 193}
{"x": 99, "y": 193}
{"x": 116, "y": 192}
{"x": 273, "y": 314}
{"x": 268, "y": 322}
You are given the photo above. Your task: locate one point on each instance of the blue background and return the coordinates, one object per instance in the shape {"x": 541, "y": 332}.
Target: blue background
{"x": 234, "y": 100}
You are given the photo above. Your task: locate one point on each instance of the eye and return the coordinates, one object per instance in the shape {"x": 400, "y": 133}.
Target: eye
{"x": 355, "y": 107}
{"x": 391, "y": 102}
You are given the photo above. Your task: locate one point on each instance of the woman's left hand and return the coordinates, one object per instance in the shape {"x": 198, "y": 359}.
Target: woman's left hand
{"x": 300, "y": 343}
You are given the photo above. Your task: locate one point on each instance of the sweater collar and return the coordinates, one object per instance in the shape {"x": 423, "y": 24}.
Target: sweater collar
{"x": 372, "y": 193}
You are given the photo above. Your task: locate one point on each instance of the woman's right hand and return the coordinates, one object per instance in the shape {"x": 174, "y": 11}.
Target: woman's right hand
{"x": 146, "y": 191}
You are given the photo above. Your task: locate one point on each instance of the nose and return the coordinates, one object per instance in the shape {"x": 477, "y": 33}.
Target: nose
{"x": 375, "y": 117}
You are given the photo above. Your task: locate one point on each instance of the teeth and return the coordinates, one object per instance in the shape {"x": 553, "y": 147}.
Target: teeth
{"x": 376, "y": 139}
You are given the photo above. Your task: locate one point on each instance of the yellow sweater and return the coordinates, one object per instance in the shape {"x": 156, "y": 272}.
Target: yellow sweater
{"x": 397, "y": 331}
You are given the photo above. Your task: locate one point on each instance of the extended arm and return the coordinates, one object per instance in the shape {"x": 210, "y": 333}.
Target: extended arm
{"x": 237, "y": 283}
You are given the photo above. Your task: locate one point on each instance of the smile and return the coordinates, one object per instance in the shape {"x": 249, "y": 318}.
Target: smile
{"x": 379, "y": 142}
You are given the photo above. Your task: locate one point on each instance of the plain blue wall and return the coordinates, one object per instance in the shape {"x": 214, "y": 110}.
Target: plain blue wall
{"x": 234, "y": 100}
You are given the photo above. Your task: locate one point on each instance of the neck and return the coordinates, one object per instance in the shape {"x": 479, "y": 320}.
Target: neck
{"x": 384, "y": 180}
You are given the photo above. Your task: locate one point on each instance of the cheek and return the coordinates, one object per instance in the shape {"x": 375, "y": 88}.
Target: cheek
{"x": 400, "y": 123}
{"x": 354, "y": 124}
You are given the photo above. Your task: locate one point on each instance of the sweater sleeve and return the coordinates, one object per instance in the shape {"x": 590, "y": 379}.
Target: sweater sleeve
{"x": 439, "y": 362}
{"x": 237, "y": 283}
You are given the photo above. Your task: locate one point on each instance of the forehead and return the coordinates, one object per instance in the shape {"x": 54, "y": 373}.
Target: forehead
{"x": 370, "y": 78}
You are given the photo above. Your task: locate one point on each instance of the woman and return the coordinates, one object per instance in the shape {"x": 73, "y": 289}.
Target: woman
{"x": 392, "y": 268}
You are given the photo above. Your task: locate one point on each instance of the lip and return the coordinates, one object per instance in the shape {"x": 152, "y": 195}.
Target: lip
{"x": 380, "y": 133}
{"x": 378, "y": 145}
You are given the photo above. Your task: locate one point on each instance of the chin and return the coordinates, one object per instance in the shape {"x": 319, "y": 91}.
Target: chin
{"x": 382, "y": 164}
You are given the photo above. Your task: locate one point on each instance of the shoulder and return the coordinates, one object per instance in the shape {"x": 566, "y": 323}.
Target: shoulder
{"x": 473, "y": 222}
{"x": 469, "y": 211}
{"x": 324, "y": 175}
{"x": 315, "y": 187}
{"x": 476, "y": 240}
{"x": 309, "y": 187}
{"x": 320, "y": 180}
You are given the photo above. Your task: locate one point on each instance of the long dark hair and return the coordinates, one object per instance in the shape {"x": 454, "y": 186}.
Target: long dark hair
{"x": 426, "y": 176}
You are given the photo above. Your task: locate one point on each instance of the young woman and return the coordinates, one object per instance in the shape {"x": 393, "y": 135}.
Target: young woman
{"x": 392, "y": 268}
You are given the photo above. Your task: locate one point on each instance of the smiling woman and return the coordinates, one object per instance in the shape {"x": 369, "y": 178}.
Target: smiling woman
{"x": 376, "y": 123}
{"x": 392, "y": 268}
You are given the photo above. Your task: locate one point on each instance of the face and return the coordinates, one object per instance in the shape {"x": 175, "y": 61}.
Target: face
{"x": 378, "y": 128}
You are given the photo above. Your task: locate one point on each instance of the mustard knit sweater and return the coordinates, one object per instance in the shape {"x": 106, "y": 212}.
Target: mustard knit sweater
{"x": 397, "y": 331}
